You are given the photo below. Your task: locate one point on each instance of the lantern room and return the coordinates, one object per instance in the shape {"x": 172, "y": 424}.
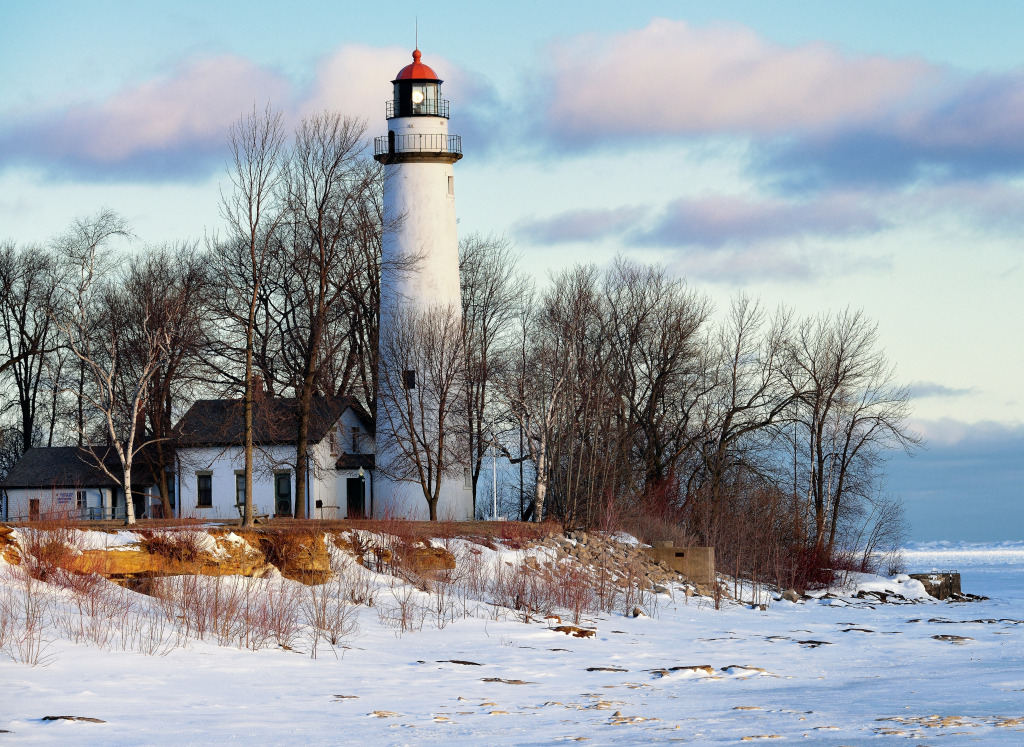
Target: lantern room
{"x": 417, "y": 92}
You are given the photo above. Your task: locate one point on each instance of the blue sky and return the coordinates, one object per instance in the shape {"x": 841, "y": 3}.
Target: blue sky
{"x": 822, "y": 155}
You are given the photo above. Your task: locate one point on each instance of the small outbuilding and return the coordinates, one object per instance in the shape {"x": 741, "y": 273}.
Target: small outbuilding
{"x": 68, "y": 481}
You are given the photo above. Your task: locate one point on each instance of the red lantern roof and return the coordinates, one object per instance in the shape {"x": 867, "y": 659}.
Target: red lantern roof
{"x": 417, "y": 70}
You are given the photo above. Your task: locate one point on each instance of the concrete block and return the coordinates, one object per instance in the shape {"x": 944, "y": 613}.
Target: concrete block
{"x": 696, "y": 563}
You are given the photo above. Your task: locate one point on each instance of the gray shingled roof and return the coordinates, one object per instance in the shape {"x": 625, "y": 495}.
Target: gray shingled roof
{"x": 219, "y": 422}
{"x": 70, "y": 466}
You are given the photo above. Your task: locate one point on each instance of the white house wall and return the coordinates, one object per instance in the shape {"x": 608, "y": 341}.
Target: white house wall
{"x": 222, "y": 463}
{"x": 54, "y": 501}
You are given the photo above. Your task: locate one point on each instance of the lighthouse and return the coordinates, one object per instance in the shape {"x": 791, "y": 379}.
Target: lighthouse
{"x": 417, "y": 442}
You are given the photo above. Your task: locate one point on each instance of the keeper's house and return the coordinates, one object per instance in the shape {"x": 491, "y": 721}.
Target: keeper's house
{"x": 211, "y": 460}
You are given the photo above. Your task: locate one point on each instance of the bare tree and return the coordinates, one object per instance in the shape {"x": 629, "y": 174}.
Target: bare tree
{"x": 492, "y": 291}
{"x": 658, "y": 340}
{"x": 850, "y": 407}
{"x": 28, "y": 281}
{"x": 549, "y": 389}
{"x": 746, "y": 397}
{"x": 326, "y": 182}
{"x": 252, "y": 211}
{"x": 118, "y": 340}
{"x": 421, "y": 397}
{"x": 173, "y": 284}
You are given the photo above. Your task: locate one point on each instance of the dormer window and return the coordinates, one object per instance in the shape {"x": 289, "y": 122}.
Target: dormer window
{"x": 355, "y": 439}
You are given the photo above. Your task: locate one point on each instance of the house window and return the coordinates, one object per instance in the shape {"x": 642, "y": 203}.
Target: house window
{"x": 170, "y": 490}
{"x": 355, "y": 440}
{"x": 468, "y": 477}
{"x": 334, "y": 443}
{"x": 80, "y": 499}
{"x": 239, "y": 488}
{"x": 408, "y": 379}
{"x": 204, "y": 489}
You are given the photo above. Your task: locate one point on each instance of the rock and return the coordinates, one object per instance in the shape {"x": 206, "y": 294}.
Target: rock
{"x": 422, "y": 559}
{"x": 790, "y": 595}
{"x": 662, "y": 590}
{"x": 575, "y": 631}
{"x": 637, "y": 612}
{"x": 952, "y": 638}
{"x": 74, "y": 718}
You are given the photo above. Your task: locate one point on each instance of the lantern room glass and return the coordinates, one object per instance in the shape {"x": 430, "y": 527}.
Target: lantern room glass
{"x": 423, "y": 98}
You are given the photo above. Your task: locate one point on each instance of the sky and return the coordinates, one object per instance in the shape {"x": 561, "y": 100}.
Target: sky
{"x": 819, "y": 155}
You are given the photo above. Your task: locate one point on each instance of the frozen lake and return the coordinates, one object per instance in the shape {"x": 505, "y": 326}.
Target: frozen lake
{"x": 829, "y": 672}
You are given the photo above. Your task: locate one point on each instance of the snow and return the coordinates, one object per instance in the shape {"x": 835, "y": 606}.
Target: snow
{"x": 833, "y": 670}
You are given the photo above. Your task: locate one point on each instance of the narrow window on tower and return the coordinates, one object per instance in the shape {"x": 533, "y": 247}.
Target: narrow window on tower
{"x": 451, "y": 185}
{"x": 408, "y": 379}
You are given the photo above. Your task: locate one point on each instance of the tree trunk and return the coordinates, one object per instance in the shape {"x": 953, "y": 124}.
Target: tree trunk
{"x": 129, "y": 504}
{"x": 247, "y": 517}
{"x": 302, "y": 443}
{"x": 542, "y": 485}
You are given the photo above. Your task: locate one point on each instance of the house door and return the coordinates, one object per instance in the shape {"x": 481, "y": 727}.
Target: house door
{"x": 283, "y": 494}
{"x": 356, "y": 488}
{"x": 33, "y": 509}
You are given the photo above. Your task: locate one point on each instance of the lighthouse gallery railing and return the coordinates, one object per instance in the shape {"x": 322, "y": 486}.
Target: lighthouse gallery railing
{"x": 434, "y": 107}
{"x": 417, "y": 144}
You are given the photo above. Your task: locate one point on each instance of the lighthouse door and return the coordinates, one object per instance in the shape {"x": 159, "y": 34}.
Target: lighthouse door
{"x": 391, "y": 141}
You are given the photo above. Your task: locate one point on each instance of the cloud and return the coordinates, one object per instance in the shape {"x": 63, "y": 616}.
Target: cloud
{"x": 579, "y": 225}
{"x": 742, "y": 264}
{"x": 816, "y": 117}
{"x": 949, "y": 432}
{"x": 673, "y": 78}
{"x": 989, "y": 204}
{"x": 174, "y": 125}
{"x": 931, "y": 389}
{"x": 729, "y": 237}
{"x": 723, "y": 219}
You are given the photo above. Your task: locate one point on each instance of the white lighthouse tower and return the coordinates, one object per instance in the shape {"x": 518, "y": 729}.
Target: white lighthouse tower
{"x": 419, "y": 275}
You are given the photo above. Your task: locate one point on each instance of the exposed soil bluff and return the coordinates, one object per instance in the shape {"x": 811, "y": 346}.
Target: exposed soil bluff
{"x": 301, "y": 552}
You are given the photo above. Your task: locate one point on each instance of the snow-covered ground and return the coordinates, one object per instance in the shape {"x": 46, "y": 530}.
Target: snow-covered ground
{"x": 831, "y": 671}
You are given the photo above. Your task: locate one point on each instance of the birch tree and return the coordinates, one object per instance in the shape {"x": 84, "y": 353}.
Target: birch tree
{"x": 118, "y": 340}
